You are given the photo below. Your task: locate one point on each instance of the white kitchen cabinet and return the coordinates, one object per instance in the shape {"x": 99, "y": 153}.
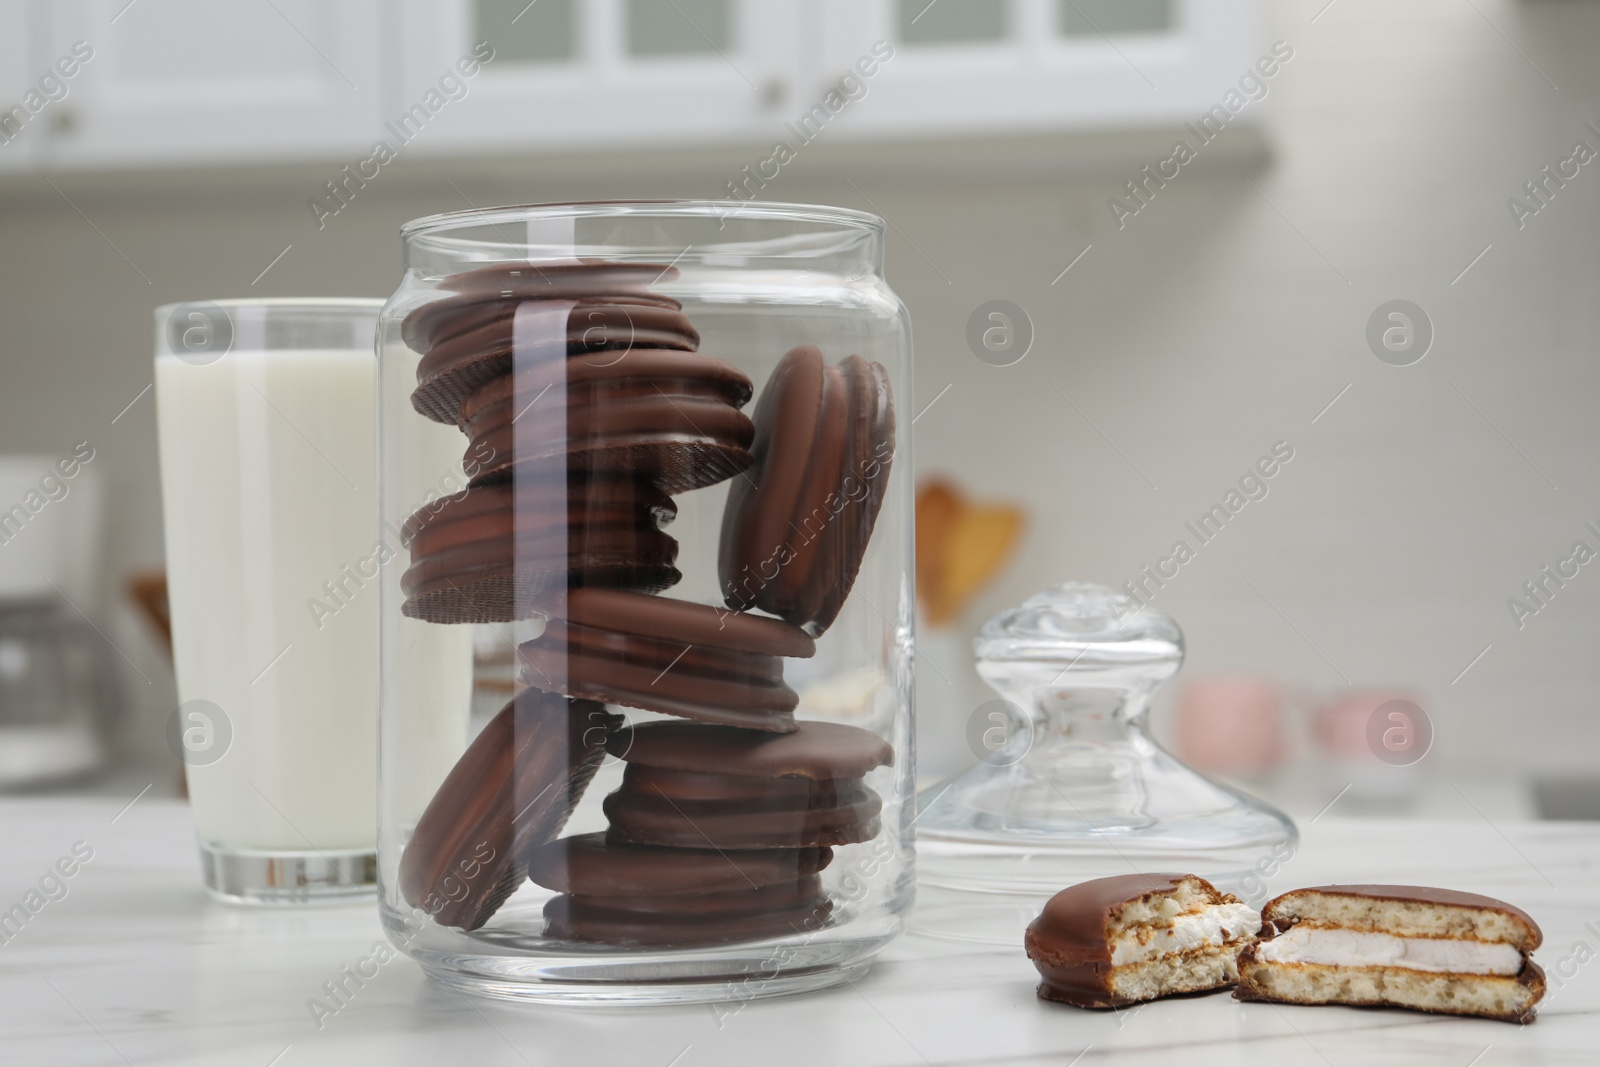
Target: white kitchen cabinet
{"x": 22, "y": 118}
{"x": 215, "y": 81}
{"x": 601, "y": 74}
{"x": 1006, "y": 67}
{"x": 232, "y": 82}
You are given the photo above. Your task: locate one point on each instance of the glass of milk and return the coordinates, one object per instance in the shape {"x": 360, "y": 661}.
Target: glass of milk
{"x": 269, "y": 491}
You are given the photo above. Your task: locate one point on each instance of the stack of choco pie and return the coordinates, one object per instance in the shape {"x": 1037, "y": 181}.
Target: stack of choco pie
{"x": 728, "y": 812}
{"x": 587, "y": 408}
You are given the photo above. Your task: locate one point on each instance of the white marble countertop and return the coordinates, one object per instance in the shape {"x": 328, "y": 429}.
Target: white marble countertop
{"x": 136, "y": 966}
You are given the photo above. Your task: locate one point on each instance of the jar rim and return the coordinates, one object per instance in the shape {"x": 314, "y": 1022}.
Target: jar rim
{"x": 744, "y": 209}
{"x": 280, "y": 303}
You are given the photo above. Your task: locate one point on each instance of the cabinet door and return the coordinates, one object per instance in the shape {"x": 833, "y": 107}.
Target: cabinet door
{"x": 995, "y": 67}
{"x": 599, "y": 74}
{"x": 202, "y": 81}
{"x": 25, "y": 108}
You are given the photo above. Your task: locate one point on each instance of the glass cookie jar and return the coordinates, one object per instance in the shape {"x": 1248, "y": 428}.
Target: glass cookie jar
{"x": 647, "y": 601}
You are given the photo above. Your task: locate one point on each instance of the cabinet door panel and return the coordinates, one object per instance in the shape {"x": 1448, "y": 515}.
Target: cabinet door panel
{"x": 1021, "y": 66}
{"x": 201, "y": 81}
{"x": 25, "y": 109}
{"x": 602, "y": 74}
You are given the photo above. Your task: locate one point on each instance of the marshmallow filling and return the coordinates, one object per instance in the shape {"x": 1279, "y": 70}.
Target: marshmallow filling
{"x": 1212, "y": 927}
{"x": 1332, "y": 947}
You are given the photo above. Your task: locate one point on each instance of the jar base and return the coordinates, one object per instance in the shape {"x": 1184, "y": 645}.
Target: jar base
{"x": 609, "y": 989}
{"x": 513, "y": 960}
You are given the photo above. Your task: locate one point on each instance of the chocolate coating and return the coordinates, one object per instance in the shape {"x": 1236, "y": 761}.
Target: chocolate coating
{"x": 479, "y": 295}
{"x": 754, "y": 676}
{"x": 640, "y": 818}
{"x": 629, "y": 894}
{"x": 591, "y": 867}
{"x": 738, "y": 789}
{"x": 666, "y": 416}
{"x": 572, "y": 920}
{"x": 453, "y": 316}
{"x": 681, "y": 620}
{"x": 797, "y": 525}
{"x": 755, "y": 521}
{"x": 671, "y": 677}
{"x": 816, "y": 749}
{"x": 695, "y": 786}
{"x": 806, "y": 890}
{"x": 512, "y": 788}
{"x": 864, "y": 482}
{"x": 487, "y": 553}
{"x": 473, "y": 344}
{"x": 450, "y": 316}
{"x": 1070, "y": 942}
{"x": 666, "y": 655}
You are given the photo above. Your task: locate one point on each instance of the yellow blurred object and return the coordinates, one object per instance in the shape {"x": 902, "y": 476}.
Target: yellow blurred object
{"x": 960, "y": 547}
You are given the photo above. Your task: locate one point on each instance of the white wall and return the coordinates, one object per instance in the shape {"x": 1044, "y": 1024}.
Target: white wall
{"x": 1210, "y": 327}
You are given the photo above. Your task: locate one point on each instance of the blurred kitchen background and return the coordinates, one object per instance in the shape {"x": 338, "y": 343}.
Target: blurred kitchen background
{"x": 1170, "y": 319}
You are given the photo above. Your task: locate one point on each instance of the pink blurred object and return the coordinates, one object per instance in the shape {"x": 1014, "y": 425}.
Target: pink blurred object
{"x": 1340, "y": 726}
{"x": 1231, "y": 725}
